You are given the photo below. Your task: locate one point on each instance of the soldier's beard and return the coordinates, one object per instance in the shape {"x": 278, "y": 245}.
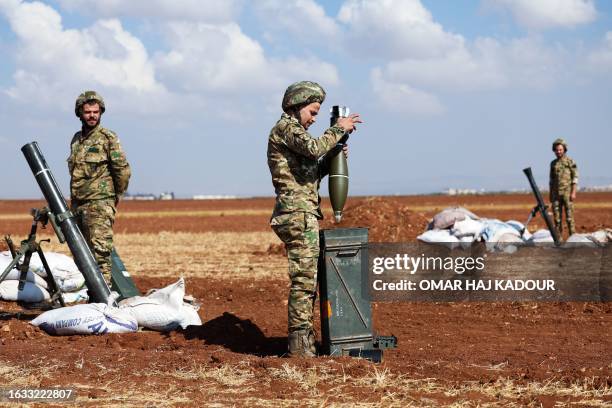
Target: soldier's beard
{"x": 87, "y": 126}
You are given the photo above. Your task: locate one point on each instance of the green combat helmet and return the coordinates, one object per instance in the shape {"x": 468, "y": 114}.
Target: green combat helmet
{"x": 559, "y": 142}
{"x": 302, "y": 93}
{"x": 88, "y": 96}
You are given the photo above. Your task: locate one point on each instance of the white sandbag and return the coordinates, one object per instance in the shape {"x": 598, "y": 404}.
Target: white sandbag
{"x": 447, "y": 217}
{"x": 152, "y": 314}
{"x": 75, "y": 297}
{"x": 466, "y": 241}
{"x": 30, "y": 277}
{"x": 163, "y": 309}
{"x": 602, "y": 236}
{"x": 92, "y": 318}
{"x": 507, "y": 242}
{"x": 61, "y": 265}
{"x": 64, "y": 270}
{"x": 440, "y": 236}
{"x": 31, "y": 293}
{"x": 541, "y": 236}
{"x": 190, "y": 316}
{"x": 519, "y": 226}
{"x": 494, "y": 229}
{"x": 467, "y": 226}
{"x": 69, "y": 283}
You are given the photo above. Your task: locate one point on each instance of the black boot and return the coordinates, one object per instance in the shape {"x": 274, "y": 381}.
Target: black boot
{"x": 301, "y": 343}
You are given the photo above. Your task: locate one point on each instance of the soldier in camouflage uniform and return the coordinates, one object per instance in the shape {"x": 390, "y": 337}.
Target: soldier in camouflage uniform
{"x": 563, "y": 184}
{"x": 99, "y": 175}
{"x": 296, "y": 169}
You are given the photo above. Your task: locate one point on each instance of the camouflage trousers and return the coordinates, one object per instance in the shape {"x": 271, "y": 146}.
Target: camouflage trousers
{"x": 560, "y": 203}
{"x": 300, "y": 233}
{"x": 95, "y": 219}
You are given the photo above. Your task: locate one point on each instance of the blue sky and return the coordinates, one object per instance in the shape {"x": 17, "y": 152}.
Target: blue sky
{"x": 454, "y": 94}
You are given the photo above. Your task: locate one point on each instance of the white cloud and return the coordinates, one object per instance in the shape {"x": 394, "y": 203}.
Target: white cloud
{"x": 202, "y": 63}
{"x": 304, "y": 20}
{"x": 542, "y": 14}
{"x": 485, "y": 65}
{"x": 55, "y": 63}
{"x": 600, "y": 60}
{"x": 222, "y": 59}
{"x": 395, "y": 28}
{"x": 422, "y": 59}
{"x": 211, "y": 11}
{"x": 401, "y": 97}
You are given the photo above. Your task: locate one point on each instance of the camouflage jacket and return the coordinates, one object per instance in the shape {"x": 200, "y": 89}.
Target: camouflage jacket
{"x": 563, "y": 174}
{"x": 293, "y": 159}
{"x": 98, "y": 166}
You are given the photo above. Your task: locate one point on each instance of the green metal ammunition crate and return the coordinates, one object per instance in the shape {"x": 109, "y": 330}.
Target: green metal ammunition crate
{"x": 346, "y": 313}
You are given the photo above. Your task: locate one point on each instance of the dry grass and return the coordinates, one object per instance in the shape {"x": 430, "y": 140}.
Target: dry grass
{"x": 161, "y": 214}
{"x": 31, "y": 375}
{"x": 225, "y": 375}
{"x": 266, "y": 212}
{"x": 324, "y": 384}
{"x": 223, "y": 255}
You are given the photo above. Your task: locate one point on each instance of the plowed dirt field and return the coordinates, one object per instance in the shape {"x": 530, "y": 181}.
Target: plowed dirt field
{"x": 460, "y": 354}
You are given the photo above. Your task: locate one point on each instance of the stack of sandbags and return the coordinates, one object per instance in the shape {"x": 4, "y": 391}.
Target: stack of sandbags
{"x": 457, "y": 226}
{"x": 67, "y": 277}
{"x": 163, "y": 309}
{"x": 440, "y": 228}
{"x": 594, "y": 239}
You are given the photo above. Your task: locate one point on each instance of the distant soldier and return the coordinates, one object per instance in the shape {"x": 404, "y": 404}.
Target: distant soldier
{"x": 99, "y": 175}
{"x": 296, "y": 169}
{"x": 563, "y": 184}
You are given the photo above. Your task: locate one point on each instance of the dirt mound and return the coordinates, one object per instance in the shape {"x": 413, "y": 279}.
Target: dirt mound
{"x": 387, "y": 219}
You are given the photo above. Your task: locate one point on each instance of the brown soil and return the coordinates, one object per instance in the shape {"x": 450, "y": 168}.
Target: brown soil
{"x": 528, "y": 354}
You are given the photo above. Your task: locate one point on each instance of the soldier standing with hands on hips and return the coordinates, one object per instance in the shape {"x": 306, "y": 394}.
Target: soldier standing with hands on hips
{"x": 296, "y": 166}
{"x": 99, "y": 175}
{"x": 563, "y": 185}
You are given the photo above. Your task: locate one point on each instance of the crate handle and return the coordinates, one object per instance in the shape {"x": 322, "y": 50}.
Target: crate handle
{"x": 347, "y": 253}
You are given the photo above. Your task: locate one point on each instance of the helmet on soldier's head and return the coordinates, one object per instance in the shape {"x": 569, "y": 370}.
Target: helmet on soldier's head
{"x": 559, "y": 142}
{"x": 88, "y": 96}
{"x": 302, "y": 93}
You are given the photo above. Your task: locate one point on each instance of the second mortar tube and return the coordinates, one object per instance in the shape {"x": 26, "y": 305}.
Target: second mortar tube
{"x": 338, "y": 168}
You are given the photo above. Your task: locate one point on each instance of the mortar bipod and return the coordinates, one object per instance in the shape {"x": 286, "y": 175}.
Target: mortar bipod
{"x": 28, "y": 247}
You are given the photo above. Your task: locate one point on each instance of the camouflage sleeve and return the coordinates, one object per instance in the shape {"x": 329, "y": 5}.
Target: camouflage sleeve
{"x": 119, "y": 166}
{"x": 299, "y": 140}
{"x": 574, "y": 172}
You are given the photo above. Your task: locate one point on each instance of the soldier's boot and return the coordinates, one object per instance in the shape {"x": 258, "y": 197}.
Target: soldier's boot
{"x": 301, "y": 343}
{"x": 312, "y": 340}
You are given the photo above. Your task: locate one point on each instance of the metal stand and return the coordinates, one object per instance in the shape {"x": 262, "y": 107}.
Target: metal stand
{"x": 27, "y": 248}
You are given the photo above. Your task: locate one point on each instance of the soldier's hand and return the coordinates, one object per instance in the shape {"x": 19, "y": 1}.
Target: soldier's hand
{"x": 573, "y": 196}
{"x": 345, "y": 150}
{"x": 348, "y": 124}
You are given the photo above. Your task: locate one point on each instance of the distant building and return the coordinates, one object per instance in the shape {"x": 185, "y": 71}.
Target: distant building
{"x": 139, "y": 197}
{"x": 463, "y": 191}
{"x": 166, "y": 196}
{"x": 597, "y": 188}
{"x": 213, "y": 197}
